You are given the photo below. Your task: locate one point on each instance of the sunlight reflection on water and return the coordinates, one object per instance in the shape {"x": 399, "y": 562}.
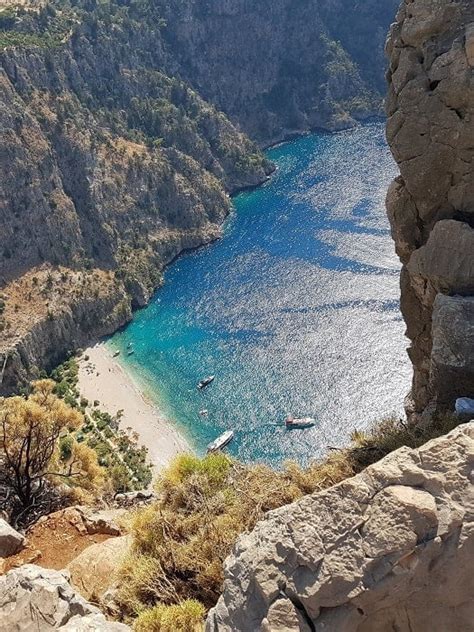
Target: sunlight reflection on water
{"x": 295, "y": 310}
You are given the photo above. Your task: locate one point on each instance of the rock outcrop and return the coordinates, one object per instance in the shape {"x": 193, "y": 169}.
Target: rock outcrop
{"x": 390, "y": 549}
{"x": 10, "y": 540}
{"x": 430, "y": 130}
{"x": 33, "y": 599}
{"x": 94, "y": 571}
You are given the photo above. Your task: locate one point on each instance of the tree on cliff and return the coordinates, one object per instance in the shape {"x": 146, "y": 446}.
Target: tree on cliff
{"x": 31, "y": 460}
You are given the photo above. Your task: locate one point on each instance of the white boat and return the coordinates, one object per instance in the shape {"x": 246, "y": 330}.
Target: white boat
{"x": 293, "y": 423}
{"x": 221, "y": 441}
{"x": 206, "y": 381}
{"x": 204, "y": 412}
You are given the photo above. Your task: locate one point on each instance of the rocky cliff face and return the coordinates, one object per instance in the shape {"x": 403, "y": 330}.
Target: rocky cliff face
{"x": 390, "y": 549}
{"x": 110, "y": 168}
{"x": 279, "y": 66}
{"x": 431, "y": 205}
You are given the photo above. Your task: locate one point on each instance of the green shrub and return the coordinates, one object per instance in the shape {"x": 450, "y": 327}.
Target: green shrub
{"x": 65, "y": 447}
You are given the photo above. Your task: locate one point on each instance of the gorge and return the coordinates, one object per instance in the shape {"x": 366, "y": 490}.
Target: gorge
{"x": 114, "y": 163}
{"x": 295, "y": 310}
{"x": 126, "y": 126}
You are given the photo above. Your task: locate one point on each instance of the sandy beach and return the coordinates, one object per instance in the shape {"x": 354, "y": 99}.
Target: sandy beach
{"x": 103, "y": 379}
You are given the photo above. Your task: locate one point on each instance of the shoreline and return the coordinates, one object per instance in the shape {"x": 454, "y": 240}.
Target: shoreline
{"x": 102, "y": 378}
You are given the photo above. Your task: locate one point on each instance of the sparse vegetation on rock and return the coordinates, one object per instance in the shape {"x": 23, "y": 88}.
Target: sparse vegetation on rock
{"x": 181, "y": 542}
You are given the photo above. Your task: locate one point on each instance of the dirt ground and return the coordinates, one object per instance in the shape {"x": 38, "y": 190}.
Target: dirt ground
{"x": 53, "y": 543}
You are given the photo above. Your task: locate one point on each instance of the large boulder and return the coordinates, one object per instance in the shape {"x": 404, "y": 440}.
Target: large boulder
{"x": 10, "y": 540}
{"x": 34, "y": 599}
{"x": 94, "y": 521}
{"x": 94, "y": 571}
{"x": 390, "y": 549}
{"x": 452, "y": 355}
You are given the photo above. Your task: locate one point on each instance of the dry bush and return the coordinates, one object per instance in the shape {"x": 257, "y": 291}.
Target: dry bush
{"x": 180, "y": 543}
{"x": 186, "y": 616}
{"x": 32, "y": 463}
{"x": 391, "y": 434}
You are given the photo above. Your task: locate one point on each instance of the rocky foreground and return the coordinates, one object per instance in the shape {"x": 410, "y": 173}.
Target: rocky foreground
{"x": 390, "y": 549}
{"x": 36, "y": 599}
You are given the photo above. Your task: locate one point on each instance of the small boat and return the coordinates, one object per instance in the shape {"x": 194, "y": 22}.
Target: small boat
{"x": 130, "y": 352}
{"x": 130, "y": 345}
{"x": 221, "y": 441}
{"x": 204, "y": 412}
{"x": 117, "y": 353}
{"x": 291, "y": 423}
{"x": 205, "y": 382}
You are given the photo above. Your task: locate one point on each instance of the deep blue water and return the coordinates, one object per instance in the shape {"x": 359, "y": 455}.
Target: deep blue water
{"x": 295, "y": 310}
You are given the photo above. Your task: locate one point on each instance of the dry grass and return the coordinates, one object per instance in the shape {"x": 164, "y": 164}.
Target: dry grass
{"x": 180, "y": 543}
{"x": 184, "y": 617}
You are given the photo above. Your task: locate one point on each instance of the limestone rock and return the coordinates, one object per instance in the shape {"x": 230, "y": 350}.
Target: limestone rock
{"x": 94, "y": 571}
{"x": 34, "y": 599}
{"x": 470, "y": 44}
{"x": 452, "y": 356}
{"x": 105, "y": 521}
{"x": 136, "y": 498}
{"x": 390, "y": 549}
{"x": 430, "y": 129}
{"x": 93, "y": 623}
{"x": 10, "y": 540}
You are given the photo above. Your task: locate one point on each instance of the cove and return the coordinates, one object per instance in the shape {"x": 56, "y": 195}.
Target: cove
{"x": 295, "y": 310}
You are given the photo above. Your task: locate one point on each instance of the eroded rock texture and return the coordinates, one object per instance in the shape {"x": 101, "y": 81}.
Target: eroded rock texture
{"x": 34, "y": 599}
{"x": 431, "y": 205}
{"x": 390, "y": 549}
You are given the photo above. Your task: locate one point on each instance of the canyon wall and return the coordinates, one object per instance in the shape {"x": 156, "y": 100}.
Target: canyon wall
{"x": 279, "y": 66}
{"x": 430, "y": 130}
{"x": 390, "y": 549}
{"x": 121, "y": 139}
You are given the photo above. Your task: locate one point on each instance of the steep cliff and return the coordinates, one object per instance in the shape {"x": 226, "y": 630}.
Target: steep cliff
{"x": 430, "y": 129}
{"x": 279, "y": 66}
{"x": 110, "y": 168}
{"x": 390, "y": 549}
{"x": 116, "y": 153}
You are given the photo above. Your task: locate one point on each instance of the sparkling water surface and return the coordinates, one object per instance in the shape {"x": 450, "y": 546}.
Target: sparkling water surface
{"x": 295, "y": 310}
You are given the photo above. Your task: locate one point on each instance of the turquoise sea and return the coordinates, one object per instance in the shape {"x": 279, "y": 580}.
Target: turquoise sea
{"x": 295, "y": 310}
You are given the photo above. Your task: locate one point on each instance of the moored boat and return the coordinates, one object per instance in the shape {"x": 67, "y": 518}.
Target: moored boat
{"x": 293, "y": 423}
{"x": 205, "y": 382}
{"x": 221, "y": 441}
